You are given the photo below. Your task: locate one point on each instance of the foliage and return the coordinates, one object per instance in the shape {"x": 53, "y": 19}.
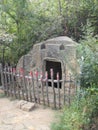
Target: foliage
{"x": 83, "y": 111}
{"x": 28, "y": 24}
{"x": 93, "y": 94}
{"x": 33, "y": 21}
{"x": 79, "y": 115}
{"x": 88, "y": 51}
{"x": 78, "y": 12}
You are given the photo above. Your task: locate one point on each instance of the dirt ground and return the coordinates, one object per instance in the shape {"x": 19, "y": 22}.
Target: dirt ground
{"x": 13, "y": 118}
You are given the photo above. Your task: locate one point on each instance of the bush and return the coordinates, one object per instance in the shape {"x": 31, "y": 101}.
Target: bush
{"x": 88, "y": 59}
{"x": 78, "y": 116}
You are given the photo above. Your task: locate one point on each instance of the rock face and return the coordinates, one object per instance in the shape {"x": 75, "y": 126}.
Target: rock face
{"x": 58, "y": 53}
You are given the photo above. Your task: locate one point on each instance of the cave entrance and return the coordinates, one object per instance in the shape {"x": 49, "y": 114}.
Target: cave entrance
{"x": 56, "y": 66}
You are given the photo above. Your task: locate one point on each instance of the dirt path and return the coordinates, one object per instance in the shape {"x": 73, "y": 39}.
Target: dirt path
{"x": 12, "y": 118}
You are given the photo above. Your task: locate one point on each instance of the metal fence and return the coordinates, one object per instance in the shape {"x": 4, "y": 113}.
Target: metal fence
{"x": 36, "y": 87}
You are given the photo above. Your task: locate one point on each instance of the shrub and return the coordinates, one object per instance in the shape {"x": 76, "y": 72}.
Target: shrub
{"x": 88, "y": 59}
{"x": 79, "y": 114}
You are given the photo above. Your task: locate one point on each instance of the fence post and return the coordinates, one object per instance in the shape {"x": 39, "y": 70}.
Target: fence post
{"x": 37, "y": 86}
{"x": 32, "y": 81}
{"x": 64, "y": 85}
{"x": 13, "y": 81}
{"x": 17, "y": 82}
{"x": 42, "y": 88}
{"x": 6, "y": 82}
{"x": 52, "y": 82}
{"x": 29, "y": 88}
{"x": 2, "y": 78}
{"x": 46, "y": 77}
{"x": 9, "y": 81}
{"x": 21, "y": 83}
{"x": 58, "y": 86}
{"x": 25, "y": 87}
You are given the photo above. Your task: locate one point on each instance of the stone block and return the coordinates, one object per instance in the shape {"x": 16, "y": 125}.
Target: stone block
{"x": 25, "y": 105}
{"x": 28, "y": 107}
{"x": 21, "y": 103}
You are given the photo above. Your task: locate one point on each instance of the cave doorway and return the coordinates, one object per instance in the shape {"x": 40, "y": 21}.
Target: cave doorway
{"x": 57, "y": 68}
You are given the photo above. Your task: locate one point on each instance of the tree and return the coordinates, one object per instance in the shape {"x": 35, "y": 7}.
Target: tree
{"x": 33, "y": 21}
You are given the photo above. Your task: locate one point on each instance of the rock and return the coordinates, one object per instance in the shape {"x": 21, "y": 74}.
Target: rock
{"x": 26, "y": 106}
{"x": 21, "y": 103}
{"x": 57, "y": 49}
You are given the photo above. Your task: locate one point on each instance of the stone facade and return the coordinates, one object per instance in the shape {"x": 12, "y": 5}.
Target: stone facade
{"x": 58, "y": 53}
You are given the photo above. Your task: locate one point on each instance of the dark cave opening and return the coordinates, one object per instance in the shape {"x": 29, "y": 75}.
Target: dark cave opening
{"x": 56, "y": 66}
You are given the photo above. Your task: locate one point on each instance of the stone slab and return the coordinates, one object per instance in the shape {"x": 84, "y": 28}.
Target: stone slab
{"x": 25, "y": 105}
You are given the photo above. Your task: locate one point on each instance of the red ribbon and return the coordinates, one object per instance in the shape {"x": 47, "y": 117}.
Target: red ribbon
{"x": 31, "y": 73}
{"x": 14, "y": 70}
{"x": 36, "y": 74}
